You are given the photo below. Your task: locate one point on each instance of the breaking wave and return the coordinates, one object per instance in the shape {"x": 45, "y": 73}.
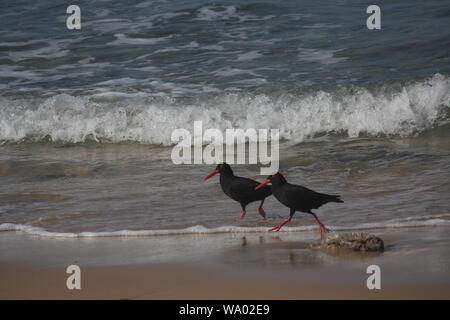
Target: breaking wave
{"x": 389, "y": 109}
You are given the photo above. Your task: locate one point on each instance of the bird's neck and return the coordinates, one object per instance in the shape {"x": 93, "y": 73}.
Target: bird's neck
{"x": 226, "y": 176}
{"x": 278, "y": 183}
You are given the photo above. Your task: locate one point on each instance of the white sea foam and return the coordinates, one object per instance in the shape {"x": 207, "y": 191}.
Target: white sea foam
{"x": 122, "y": 39}
{"x": 230, "y": 72}
{"x": 248, "y": 56}
{"x": 52, "y": 49}
{"x": 167, "y": 50}
{"x": 214, "y": 47}
{"x": 217, "y": 13}
{"x": 15, "y": 72}
{"x": 320, "y": 56}
{"x": 167, "y": 15}
{"x": 19, "y": 43}
{"x": 412, "y": 222}
{"x": 115, "y": 117}
{"x": 192, "y": 44}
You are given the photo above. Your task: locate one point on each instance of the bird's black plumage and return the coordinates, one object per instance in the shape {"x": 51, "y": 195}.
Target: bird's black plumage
{"x": 241, "y": 189}
{"x": 298, "y": 198}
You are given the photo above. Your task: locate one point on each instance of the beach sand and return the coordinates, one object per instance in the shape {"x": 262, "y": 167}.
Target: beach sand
{"x": 415, "y": 265}
{"x": 170, "y": 281}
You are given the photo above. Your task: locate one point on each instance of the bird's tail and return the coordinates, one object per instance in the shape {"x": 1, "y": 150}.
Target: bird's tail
{"x": 335, "y": 198}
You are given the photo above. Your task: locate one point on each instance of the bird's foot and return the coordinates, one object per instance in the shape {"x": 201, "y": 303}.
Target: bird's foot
{"x": 242, "y": 216}
{"x": 276, "y": 228}
{"x": 323, "y": 230}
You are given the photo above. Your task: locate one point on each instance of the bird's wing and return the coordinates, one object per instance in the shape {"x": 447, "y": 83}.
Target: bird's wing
{"x": 300, "y": 195}
{"x": 243, "y": 185}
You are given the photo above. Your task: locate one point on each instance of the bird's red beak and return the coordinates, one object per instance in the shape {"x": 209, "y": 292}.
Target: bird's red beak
{"x": 211, "y": 174}
{"x": 262, "y": 184}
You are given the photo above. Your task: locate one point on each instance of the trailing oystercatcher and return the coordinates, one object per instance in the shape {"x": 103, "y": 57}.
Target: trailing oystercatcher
{"x": 297, "y": 198}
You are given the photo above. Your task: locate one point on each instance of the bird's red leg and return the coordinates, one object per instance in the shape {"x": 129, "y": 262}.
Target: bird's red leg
{"x": 278, "y": 226}
{"x": 243, "y": 214}
{"x": 322, "y": 227}
{"x": 261, "y": 211}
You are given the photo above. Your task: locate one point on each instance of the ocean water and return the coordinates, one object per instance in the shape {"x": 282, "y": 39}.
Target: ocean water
{"x": 86, "y": 115}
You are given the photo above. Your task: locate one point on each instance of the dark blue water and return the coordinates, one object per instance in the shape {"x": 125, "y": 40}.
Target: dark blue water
{"x": 137, "y": 70}
{"x": 190, "y": 47}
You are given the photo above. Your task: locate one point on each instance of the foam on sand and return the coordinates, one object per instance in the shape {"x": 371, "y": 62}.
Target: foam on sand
{"x": 411, "y": 222}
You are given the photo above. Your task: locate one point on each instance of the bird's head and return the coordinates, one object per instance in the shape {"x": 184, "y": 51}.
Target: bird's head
{"x": 275, "y": 179}
{"x": 221, "y": 168}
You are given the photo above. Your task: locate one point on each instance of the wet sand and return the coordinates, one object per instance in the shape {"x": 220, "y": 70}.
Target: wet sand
{"x": 169, "y": 281}
{"x": 415, "y": 265}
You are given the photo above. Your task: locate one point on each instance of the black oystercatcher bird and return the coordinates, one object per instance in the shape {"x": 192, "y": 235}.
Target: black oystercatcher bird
{"x": 297, "y": 198}
{"x": 242, "y": 190}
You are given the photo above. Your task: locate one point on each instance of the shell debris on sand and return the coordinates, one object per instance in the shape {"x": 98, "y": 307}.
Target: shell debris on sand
{"x": 354, "y": 241}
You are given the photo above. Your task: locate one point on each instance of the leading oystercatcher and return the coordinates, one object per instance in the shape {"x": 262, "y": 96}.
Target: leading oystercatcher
{"x": 242, "y": 190}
